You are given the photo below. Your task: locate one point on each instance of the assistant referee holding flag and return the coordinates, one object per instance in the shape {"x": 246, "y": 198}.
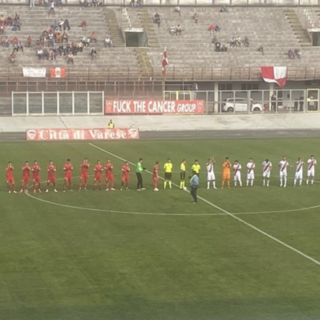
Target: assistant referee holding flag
{"x": 139, "y": 170}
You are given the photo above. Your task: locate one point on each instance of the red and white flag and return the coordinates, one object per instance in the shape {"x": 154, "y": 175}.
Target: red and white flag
{"x": 165, "y": 61}
{"x": 274, "y": 75}
{"x": 57, "y": 72}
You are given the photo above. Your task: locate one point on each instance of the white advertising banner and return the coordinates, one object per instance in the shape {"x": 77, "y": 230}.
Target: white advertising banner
{"x": 34, "y": 72}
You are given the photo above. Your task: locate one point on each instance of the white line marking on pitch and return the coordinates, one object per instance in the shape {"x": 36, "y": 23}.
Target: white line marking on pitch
{"x": 232, "y": 216}
{"x": 124, "y": 212}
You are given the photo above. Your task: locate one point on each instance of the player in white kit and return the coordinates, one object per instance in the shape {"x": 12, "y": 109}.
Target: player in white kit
{"x": 283, "y": 164}
{"x": 312, "y": 162}
{"x": 299, "y": 172}
{"x": 250, "y": 172}
{"x": 237, "y": 173}
{"x": 266, "y": 171}
{"x": 210, "y": 173}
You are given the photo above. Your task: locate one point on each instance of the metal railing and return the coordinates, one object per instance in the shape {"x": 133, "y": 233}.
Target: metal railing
{"x": 172, "y": 74}
{"x": 190, "y": 2}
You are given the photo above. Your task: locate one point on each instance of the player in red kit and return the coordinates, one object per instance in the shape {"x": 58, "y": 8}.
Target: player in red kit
{"x": 84, "y": 174}
{"x": 68, "y": 167}
{"x": 155, "y": 176}
{"x": 25, "y": 177}
{"x": 98, "y": 169}
{"x": 109, "y": 176}
{"x": 125, "y": 175}
{"x": 51, "y": 176}
{"x": 10, "y": 178}
{"x": 36, "y": 177}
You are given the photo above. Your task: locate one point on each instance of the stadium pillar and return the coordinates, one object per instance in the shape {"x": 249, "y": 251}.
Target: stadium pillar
{"x": 216, "y": 98}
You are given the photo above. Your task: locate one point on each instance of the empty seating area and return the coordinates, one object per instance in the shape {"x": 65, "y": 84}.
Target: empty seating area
{"x": 267, "y": 27}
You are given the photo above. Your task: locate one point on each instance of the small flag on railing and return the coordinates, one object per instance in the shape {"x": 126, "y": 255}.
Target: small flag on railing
{"x": 165, "y": 61}
{"x": 57, "y": 72}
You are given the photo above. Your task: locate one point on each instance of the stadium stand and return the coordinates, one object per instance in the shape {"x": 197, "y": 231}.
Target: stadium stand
{"x": 191, "y": 55}
{"x": 276, "y": 29}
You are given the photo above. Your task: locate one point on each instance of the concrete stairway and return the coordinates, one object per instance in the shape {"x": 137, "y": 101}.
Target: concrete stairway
{"x": 144, "y": 62}
{"x": 114, "y": 28}
{"x": 148, "y": 27}
{"x": 297, "y": 28}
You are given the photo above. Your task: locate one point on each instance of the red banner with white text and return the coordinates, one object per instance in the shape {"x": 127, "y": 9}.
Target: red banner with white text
{"x": 81, "y": 134}
{"x": 154, "y": 106}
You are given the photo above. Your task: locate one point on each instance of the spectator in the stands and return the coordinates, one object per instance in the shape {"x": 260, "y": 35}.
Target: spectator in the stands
{"x": 2, "y": 28}
{"x": 178, "y": 10}
{"x": 217, "y": 46}
{"x": 108, "y": 42}
{"x": 12, "y": 58}
{"x": 297, "y": 53}
{"x": 66, "y": 25}
{"x": 246, "y": 41}
{"x": 214, "y": 39}
{"x": 58, "y": 37}
{"x": 59, "y": 3}
{"x": 52, "y": 55}
{"x": 45, "y": 54}
{"x": 29, "y": 41}
{"x": 16, "y": 25}
{"x": 9, "y": 21}
{"x": 15, "y": 40}
{"x": 80, "y": 46}
{"x": 40, "y": 53}
{"x": 20, "y": 46}
{"x": 195, "y": 17}
{"x": 55, "y": 24}
{"x": 15, "y": 48}
{"x": 260, "y": 49}
{"x": 93, "y": 53}
{"x": 60, "y": 24}
{"x": 83, "y": 25}
{"x": 31, "y": 3}
{"x": 217, "y": 28}
{"x": 173, "y": 30}
{"x": 238, "y": 41}
{"x": 224, "y": 48}
{"x": 51, "y": 10}
{"x": 84, "y": 3}
{"x": 290, "y": 54}
{"x": 273, "y": 102}
{"x": 64, "y": 37}
{"x": 224, "y": 9}
{"x": 211, "y": 29}
{"x": 93, "y": 37}
{"x": 179, "y": 30}
{"x": 233, "y": 42}
{"x": 70, "y": 58}
{"x": 156, "y": 19}
{"x": 50, "y": 38}
{"x": 85, "y": 41}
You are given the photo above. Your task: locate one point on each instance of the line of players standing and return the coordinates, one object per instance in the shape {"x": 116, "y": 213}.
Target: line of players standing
{"x": 67, "y": 181}
{"x": 266, "y": 172}
{"x": 227, "y": 166}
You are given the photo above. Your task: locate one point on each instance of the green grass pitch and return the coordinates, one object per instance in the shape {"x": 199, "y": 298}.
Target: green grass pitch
{"x": 154, "y": 255}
